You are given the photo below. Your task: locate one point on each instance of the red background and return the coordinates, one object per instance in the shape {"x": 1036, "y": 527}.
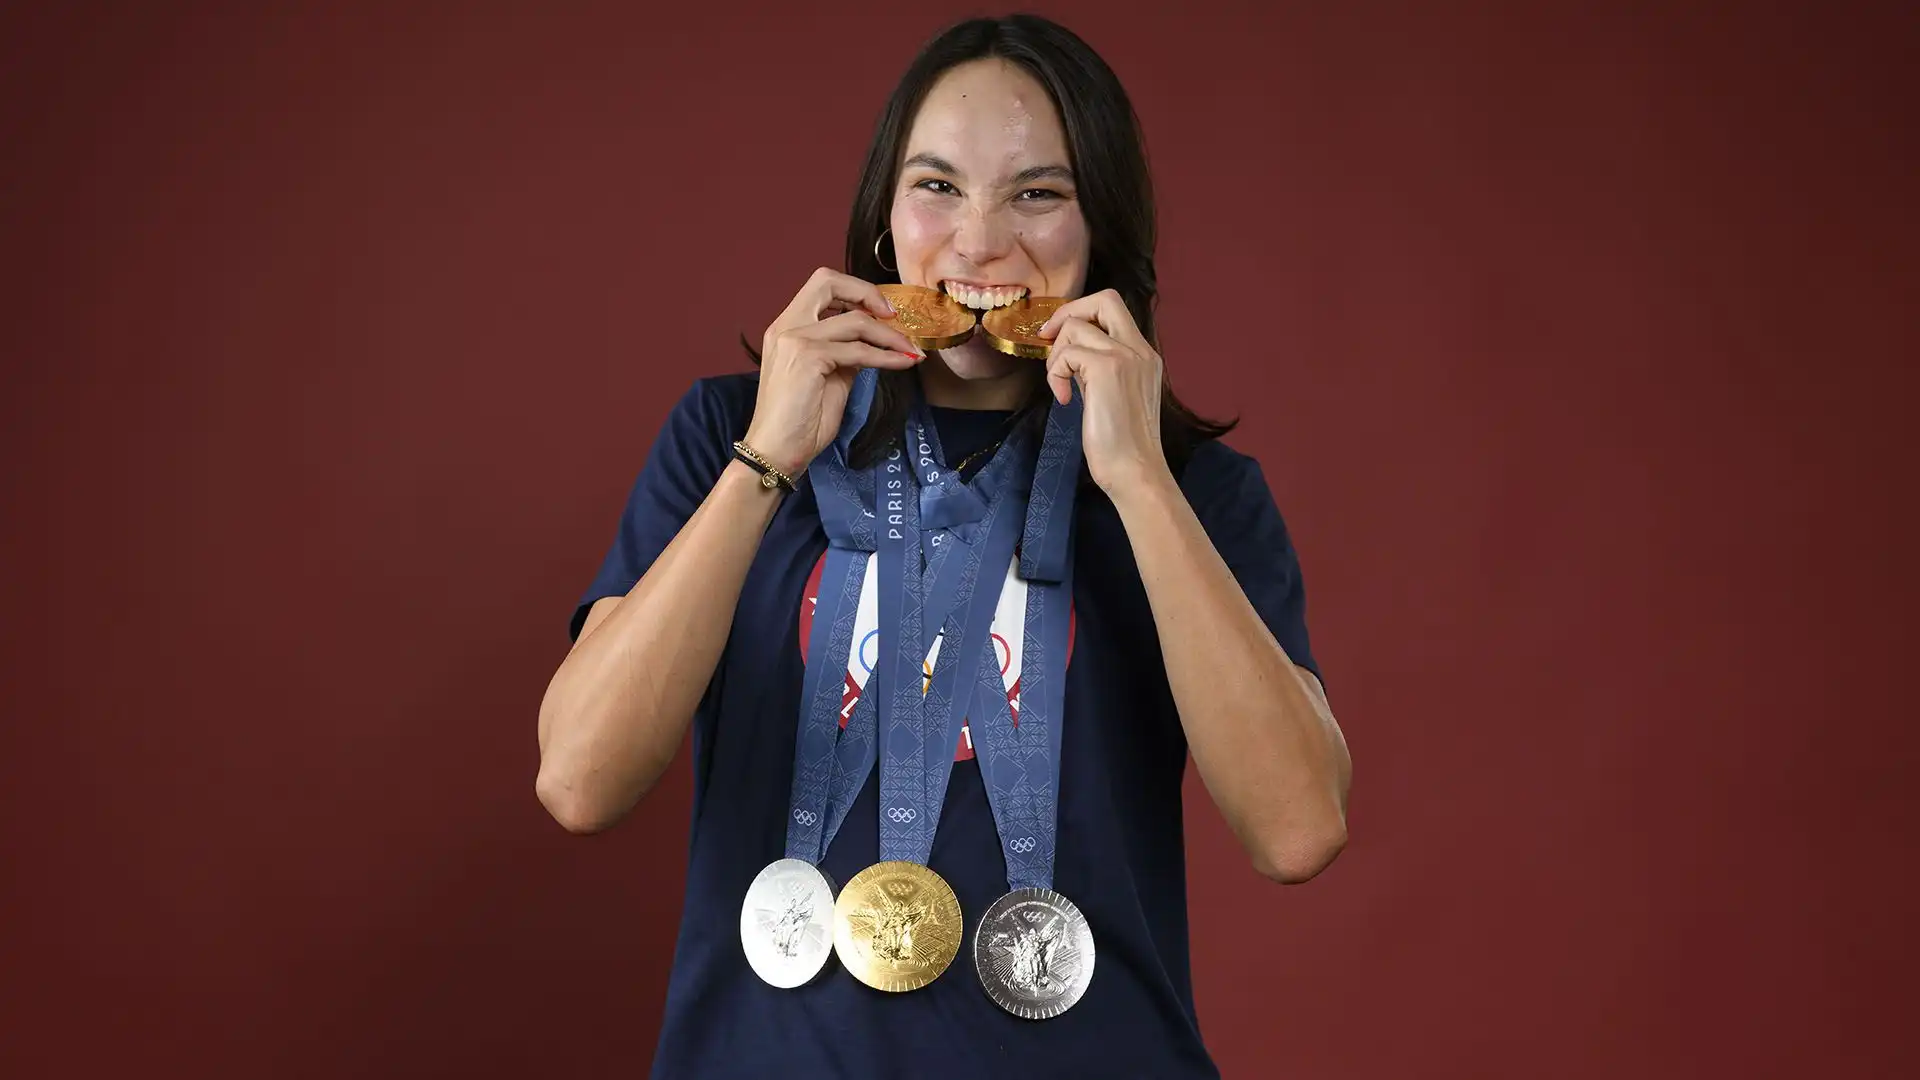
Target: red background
{"x": 1578, "y": 344}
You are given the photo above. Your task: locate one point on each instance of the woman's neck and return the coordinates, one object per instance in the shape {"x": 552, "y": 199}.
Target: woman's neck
{"x": 947, "y": 390}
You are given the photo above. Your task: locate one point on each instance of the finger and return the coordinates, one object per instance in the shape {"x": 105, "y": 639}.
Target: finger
{"x": 1076, "y": 331}
{"x": 1112, "y": 315}
{"x": 845, "y": 292}
{"x": 1081, "y": 350}
{"x": 1104, "y": 309}
{"x": 860, "y": 326}
{"x": 859, "y": 354}
{"x": 1083, "y": 309}
{"x": 1062, "y": 366}
{"x": 1094, "y": 351}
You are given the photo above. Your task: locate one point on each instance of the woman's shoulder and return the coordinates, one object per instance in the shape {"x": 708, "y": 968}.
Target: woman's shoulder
{"x": 732, "y": 393}
{"x": 721, "y": 404}
{"x": 1229, "y": 490}
{"x": 1213, "y": 470}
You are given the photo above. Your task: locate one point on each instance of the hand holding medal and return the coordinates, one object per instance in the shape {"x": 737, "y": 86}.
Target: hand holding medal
{"x": 1097, "y": 345}
{"x": 835, "y": 326}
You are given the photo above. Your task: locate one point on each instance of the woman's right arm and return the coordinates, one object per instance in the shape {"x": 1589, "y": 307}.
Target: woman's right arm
{"x": 617, "y": 709}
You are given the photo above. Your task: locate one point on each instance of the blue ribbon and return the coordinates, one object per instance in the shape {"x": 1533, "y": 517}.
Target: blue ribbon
{"x": 816, "y": 805}
{"x": 902, "y": 796}
{"x": 942, "y": 545}
{"x": 1047, "y": 546}
{"x": 946, "y": 503}
{"x": 1020, "y": 765}
{"x": 952, "y": 595}
{"x": 987, "y": 546}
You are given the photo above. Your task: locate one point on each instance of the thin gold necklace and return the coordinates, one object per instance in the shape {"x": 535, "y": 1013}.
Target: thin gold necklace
{"x": 971, "y": 458}
{"x": 1007, "y": 428}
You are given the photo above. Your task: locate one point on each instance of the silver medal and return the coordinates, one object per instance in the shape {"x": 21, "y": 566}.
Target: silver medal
{"x": 786, "y": 923}
{"x": 1034, "y": 952}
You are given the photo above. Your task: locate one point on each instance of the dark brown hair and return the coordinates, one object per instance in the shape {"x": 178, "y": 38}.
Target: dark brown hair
{"x": 1115, "y": 191}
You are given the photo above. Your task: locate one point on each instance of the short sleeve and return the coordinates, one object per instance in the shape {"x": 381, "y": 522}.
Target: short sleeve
{"x": 1229, "y": 495}
{"x": 688, "y": 456}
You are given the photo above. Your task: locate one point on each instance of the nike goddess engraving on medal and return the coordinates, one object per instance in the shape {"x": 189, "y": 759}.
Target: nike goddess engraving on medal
{"x": 1034, "y": 952}
{"x": 786, "y": 923}
{"x": 897, "y": 926}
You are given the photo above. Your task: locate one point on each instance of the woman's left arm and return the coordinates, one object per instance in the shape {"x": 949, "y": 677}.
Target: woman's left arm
{"x": 1258, "y": 725}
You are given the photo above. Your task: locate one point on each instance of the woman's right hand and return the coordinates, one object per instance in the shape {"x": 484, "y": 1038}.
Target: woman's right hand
{"x": 808, "y": 359}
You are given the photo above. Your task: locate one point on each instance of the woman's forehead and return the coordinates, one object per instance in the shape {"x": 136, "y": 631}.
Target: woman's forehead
{"x": 989, "y": 117}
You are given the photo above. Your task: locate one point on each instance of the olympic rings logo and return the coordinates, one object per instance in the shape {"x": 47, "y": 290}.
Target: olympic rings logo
{"x": 1023, "y": 845}
{"x": 900, "y": 815}
{"x": 805, "y": 817}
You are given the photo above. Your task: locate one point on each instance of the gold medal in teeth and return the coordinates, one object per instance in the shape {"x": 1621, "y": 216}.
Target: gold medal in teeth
{"x": 1015, "y": 329}
{"x": 928, "y": 317}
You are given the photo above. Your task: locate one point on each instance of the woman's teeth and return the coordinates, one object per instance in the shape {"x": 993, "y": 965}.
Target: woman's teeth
{"x": 984, "y": 299}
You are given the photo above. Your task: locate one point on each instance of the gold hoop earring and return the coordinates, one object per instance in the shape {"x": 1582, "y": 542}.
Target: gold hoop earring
{"x": 876, "y": 251}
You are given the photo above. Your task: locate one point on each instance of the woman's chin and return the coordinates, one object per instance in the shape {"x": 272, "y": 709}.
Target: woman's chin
{"x": 975, "y": 361}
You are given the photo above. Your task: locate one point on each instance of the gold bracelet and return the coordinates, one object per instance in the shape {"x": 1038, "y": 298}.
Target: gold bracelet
{"x": 770, "y": 477}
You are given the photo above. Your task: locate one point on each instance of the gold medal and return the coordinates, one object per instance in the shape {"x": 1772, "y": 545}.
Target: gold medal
{"x": 1015, "y": 329}
{"x": 896, "y": 926}
{"x": 930, "y": 318}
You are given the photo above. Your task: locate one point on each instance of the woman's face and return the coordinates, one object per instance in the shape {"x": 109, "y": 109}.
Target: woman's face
{"x": 985, "y": 208}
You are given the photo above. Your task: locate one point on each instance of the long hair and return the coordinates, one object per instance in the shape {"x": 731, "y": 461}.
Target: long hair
{"x": 1115, "y": 191}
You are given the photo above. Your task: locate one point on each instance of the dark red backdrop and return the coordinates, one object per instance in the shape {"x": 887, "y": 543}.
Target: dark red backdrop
{"x": 1577, "y": 346}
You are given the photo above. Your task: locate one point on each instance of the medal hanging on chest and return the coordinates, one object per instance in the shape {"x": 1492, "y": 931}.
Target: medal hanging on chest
{"x": 944, "y": 547}
{"x": 1033, "y": 948}
{"x": 786, "y": 918}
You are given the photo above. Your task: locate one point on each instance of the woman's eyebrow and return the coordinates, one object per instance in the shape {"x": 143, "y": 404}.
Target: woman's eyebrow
{"x": 931, "y": 161}
{"x": 1041, "y": 172}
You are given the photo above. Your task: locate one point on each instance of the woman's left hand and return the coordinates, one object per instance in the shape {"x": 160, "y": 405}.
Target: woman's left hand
{"x": 1096, "y": 344}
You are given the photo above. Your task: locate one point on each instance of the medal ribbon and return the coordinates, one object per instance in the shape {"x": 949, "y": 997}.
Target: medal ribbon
{"x": 957, "y": 516}
{"x": 1020, "y": 762}
{"x": 933, "y": 543}
{"x": 987, "y": 543}
{"x": 846, "y": 513}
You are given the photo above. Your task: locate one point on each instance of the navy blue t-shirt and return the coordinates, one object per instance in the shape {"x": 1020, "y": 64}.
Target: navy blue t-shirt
{"x": 1121, "y": 853}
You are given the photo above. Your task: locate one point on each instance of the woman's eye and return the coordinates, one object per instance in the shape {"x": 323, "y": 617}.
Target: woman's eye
{"x": 1037, "y": 195}
{"x": 938, "y": 187}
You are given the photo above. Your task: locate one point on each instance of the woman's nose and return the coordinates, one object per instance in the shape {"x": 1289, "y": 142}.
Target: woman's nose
{"x": 984, "y": 236}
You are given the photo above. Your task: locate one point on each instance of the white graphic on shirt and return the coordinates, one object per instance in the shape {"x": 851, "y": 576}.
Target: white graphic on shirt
{"x": 1008, "y": 632}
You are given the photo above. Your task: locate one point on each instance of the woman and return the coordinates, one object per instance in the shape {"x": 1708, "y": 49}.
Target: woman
{"x": 1008, "y": 162}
